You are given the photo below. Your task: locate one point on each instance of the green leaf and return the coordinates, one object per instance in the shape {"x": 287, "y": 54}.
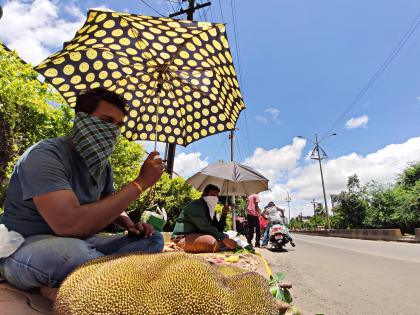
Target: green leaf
{"x": 273, "y": 290}
{"x": 287, "y": 296}
{"x": 280, "y": 295}
{"x": 277, "y": 278}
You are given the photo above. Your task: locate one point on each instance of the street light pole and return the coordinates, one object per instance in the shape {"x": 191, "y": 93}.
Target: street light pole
{"x": 288, "y": 200}
{"x": 314, "y": 204}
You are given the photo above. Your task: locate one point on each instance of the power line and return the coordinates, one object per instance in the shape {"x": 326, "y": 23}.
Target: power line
{"x": 221, "y": 11}
{"x": 238, "y": 55}
{"x": 220, "y": 148}
{"x": 146, "y": 3}
{"x": 211, "y": 13}
{"x": 379, "y": 72}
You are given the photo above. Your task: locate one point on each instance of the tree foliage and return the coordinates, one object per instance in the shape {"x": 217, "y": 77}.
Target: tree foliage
{"x": 26, "y": 116}
{"x": 351, "y": 206}
{"x": 379, "y": 206}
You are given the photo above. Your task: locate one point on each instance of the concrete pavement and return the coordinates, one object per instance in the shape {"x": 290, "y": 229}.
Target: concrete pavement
{"x": 348, "y": 276}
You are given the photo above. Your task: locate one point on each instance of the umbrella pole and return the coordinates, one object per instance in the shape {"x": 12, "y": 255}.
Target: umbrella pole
{"x": 159, "y": 88}
{"x": 233, "y": 213}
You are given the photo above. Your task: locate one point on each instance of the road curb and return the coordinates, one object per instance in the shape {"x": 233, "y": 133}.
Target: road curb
{"x": 365, "y": 234}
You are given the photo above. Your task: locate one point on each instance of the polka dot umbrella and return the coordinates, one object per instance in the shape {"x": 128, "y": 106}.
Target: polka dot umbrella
{"x": 177, "y": 76}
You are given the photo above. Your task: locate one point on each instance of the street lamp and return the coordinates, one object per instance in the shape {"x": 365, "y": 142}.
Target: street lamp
{"x": 319, "y": 154}
{"x": 288, "y": 200}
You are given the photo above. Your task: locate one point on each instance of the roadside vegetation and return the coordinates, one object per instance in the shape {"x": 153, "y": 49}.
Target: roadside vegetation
{"x": 374, "y": 205}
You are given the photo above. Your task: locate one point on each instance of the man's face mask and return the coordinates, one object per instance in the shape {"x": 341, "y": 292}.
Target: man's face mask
{"x": 94, "y": 140}
{"x": 211, "y": 203}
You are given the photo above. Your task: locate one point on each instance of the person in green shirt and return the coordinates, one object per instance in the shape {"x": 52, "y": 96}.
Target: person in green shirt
{"x": 197, "y": 229}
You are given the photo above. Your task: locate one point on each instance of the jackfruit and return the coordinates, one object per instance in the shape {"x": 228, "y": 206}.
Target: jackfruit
{"x": 168, "y": 283}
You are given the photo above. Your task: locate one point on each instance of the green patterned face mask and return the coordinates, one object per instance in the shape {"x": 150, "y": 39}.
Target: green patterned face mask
{"x": 94, "y": 140}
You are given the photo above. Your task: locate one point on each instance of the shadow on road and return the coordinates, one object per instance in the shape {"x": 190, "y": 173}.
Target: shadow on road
{"x": 277, "y": 250}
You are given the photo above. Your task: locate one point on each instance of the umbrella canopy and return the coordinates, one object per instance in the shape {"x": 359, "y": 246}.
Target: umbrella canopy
{"x": 232, "y": 178}
{"x": 177, "y": 76}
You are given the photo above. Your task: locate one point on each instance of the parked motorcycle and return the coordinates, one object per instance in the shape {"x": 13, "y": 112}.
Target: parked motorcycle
{"x": 279, "y": 236}
{"x": 242, "y": 226}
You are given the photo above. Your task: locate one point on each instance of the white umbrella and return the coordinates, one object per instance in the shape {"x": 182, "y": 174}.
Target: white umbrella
{"x": 232, "y": 178}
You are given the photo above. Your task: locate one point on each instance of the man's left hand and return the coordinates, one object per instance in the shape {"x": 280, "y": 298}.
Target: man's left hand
{"x": 141, "y": 228}
{"x": 225, "y": 210}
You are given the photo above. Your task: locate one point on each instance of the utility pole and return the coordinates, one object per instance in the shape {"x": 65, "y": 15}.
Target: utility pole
{"x": 231, "y": 138}
{"x": 316, "y": 155}
{"x": 171, "y": 147}
{"x": 314, "y": 203}
{"x": 288, "y": 200}
{"x": 319, "y": 158}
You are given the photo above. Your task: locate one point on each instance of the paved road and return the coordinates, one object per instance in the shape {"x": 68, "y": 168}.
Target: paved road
{"x": 344, "y": 276}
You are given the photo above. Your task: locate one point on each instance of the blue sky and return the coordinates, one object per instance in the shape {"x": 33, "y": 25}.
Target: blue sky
{"x": 302, "y": 64}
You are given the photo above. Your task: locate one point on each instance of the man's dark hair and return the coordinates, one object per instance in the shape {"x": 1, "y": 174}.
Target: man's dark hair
{"x": 210, "y": 188}
{"x": 88, "y": 101}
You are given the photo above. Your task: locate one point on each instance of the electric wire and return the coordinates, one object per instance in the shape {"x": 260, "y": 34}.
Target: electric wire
{"x": 157, "y": 12}
{"x": 236, "y": 37}
{"x": 378, "y": 73}
{"x": 221, "y": 11}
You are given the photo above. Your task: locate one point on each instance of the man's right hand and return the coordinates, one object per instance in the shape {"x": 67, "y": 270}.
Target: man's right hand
{"x": 151, "y": 171}
{"x": 229, "y": 243}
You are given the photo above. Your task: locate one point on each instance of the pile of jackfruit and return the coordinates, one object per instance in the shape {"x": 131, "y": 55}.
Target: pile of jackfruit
{"x": 168, "y": 283}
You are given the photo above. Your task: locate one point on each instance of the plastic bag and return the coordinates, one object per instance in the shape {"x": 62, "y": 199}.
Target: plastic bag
{"x": 10, "y": 241}
{"x": 157, "y": 219}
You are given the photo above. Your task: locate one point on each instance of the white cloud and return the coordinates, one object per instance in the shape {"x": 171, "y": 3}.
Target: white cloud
{"x": 149, "y": 146}
{"x": 382, "y": 166}
{"x": 35, "y": 28}
{"x": 187, "y": 164}
{"x": 357, "y": 122}
{"x": 274, "y": 112}
{"x": 304, "y": 182}
{"x": 277, "y": 162}
{"x": 261, "y": 119}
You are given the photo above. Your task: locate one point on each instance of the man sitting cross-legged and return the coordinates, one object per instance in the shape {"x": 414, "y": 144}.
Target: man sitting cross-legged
{"x": 61, "y": 194}
{"x": 197, "y": 229}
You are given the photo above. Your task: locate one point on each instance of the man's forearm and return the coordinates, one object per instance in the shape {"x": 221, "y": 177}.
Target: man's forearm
{"x": 92, "y": 218}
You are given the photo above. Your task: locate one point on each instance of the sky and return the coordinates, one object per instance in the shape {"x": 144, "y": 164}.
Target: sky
{"x": 303, "y": 66}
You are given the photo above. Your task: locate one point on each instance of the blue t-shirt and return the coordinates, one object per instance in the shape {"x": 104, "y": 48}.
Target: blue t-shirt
{"x": 48, "y": 166}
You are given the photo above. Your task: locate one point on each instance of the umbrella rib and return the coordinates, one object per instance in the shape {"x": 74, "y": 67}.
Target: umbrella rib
{"x": 187, "y": 84}
{"x": 177, "y": 110}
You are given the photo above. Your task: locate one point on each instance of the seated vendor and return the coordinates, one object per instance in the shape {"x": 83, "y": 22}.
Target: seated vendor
{"x": 197, "y": 229}
{"x": 61, "y": 195}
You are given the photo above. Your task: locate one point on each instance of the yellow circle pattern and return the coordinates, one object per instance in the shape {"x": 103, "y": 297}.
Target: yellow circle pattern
{"x": 124, "y": 53}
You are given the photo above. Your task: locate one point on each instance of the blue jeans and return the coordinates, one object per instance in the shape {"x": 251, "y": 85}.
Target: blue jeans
{"x": 266, "y": 235}
{"x": 45, "y": 260}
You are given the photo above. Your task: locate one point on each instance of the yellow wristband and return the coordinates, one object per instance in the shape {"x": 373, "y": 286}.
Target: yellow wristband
{"x": 138, "y": 186}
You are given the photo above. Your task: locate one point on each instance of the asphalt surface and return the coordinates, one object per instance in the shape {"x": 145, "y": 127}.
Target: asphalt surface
{"x": 347, "y": 276}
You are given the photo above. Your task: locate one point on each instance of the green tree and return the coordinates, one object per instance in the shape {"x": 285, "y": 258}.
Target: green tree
{"x": 26, "y": 116}
{"x": 351, "y": 209}
{"x": 397, "y": 206}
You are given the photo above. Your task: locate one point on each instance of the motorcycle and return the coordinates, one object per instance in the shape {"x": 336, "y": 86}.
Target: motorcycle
{"x": 242, "y": 226}
{"x": 279, "y": 236}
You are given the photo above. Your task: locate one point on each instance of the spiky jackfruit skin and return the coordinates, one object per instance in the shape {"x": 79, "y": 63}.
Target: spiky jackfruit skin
{"x": 168, "y": 283}
{"x": 229, "y": 271}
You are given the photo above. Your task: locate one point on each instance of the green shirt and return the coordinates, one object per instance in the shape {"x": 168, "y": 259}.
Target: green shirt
{"x": 195, "y": 218}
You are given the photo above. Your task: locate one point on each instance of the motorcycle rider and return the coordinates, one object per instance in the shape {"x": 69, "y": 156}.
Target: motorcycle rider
{"x": 274, "y": 215}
